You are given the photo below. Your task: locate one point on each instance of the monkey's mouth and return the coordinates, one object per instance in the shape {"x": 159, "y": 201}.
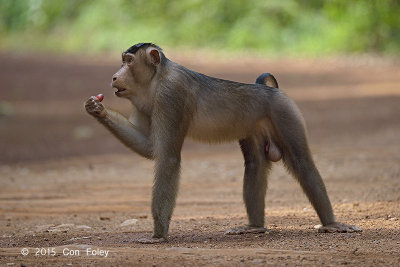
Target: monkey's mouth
{"x": 119, "y": 90}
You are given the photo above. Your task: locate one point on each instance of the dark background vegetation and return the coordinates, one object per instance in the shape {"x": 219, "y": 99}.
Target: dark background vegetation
{"x": 307, "y": 27}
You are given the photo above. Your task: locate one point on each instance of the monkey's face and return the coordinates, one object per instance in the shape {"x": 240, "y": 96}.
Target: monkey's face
{"x": 135, "y": 75}
{"x": 123, "y": 80}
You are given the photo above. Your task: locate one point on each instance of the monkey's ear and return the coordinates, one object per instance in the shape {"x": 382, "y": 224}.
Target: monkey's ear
{"x": 154, "y": 56}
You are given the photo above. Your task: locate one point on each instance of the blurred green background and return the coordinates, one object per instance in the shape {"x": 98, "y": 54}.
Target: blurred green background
{"x": 292, "y": 27}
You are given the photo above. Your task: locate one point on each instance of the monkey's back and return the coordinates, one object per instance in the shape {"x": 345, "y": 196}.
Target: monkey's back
{"x": 227, "y": 110}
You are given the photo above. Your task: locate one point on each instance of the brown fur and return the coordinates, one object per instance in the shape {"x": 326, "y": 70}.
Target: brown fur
{"x": 172, "y": 102}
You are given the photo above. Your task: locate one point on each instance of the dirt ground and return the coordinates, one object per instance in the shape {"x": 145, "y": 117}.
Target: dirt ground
{"x": 70, "y": 192}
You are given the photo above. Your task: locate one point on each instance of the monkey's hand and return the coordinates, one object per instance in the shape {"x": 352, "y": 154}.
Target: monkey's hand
{"x": 338, "y": 227}
{"x": 95, "y": 108}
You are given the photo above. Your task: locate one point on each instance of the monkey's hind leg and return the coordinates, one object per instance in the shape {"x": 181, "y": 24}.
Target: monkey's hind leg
{"x": 298, "y": 160}
{"x": 254, "y": 186}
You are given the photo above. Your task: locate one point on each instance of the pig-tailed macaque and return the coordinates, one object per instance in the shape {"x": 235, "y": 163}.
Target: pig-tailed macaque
{"x": 171, "y": 102}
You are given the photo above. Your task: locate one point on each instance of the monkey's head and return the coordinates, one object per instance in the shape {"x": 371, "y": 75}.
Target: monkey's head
{"x": 139, "y": 64}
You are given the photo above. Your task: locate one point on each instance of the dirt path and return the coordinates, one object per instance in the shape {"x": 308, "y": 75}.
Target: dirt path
{"x": 66, "y": 185}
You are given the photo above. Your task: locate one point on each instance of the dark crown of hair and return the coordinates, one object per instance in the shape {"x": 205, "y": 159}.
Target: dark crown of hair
{"x": 134, "y": 48}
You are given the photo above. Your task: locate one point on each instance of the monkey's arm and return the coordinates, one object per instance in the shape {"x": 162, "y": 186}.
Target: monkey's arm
{"x": 133, "y": 136}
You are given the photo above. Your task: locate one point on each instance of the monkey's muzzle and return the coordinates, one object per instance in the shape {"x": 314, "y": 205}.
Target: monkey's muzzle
{"x": 119, "y": 90}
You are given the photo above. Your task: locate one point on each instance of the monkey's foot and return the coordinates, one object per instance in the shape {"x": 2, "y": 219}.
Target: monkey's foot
{"x": 152, "y": 240}
{"x": 246, "y": 229}
{"x": 338, "y": 227}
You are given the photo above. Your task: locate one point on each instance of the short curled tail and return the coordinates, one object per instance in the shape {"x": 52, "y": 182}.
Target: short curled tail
{"x": 267, "y": 79}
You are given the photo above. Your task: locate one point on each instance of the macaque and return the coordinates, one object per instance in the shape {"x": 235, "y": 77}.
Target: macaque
{"x": 171, "y": 102}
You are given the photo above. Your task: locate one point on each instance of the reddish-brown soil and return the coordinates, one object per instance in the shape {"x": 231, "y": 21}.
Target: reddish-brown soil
{"x": 66, "y": 184}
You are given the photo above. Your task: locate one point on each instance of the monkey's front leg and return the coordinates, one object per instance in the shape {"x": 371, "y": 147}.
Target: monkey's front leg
{"x": 169, "y": 133}
{"x": 124, "y": 130}
{"x": 165, "y": 189}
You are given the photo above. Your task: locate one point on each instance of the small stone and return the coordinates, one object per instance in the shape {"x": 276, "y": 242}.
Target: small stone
{"x": 83, "y": 227}
{"x": 129, "y": 222}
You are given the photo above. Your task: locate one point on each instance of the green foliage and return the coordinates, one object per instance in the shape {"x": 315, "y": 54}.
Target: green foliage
{"x": 277, "y": 26}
